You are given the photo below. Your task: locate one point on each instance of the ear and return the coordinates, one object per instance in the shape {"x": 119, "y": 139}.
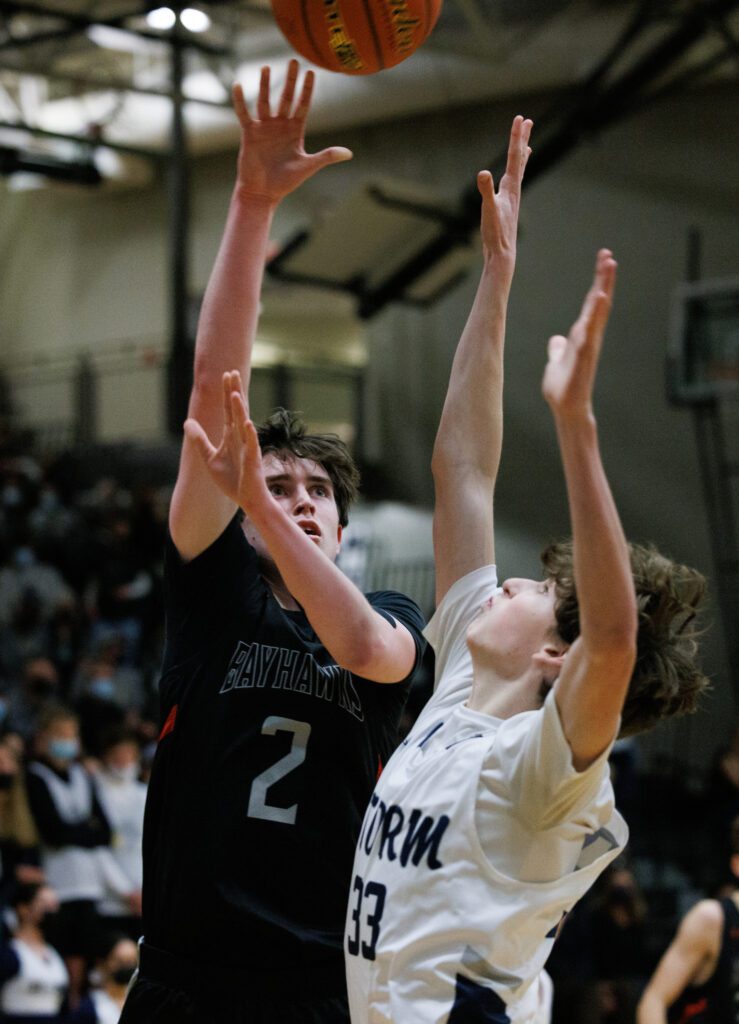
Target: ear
{"x": 549, "y": 660}
{"x": 339, "y": 535}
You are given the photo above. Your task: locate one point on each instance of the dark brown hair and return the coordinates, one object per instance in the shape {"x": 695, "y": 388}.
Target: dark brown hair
{"x": 284, "y": 434}
{"x": 667, "y": 679}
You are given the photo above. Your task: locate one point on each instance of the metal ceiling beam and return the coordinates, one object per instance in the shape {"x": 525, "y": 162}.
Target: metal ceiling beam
{"x": 179, "y": 376}
{"x": 104, "y": 83}
{"x": 75, "y": 23}
{"x": 594, "y": 104}
{"x": 84, "y": 140}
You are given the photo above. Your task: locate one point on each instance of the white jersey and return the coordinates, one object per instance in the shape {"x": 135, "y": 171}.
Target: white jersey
{"x": 123, "y": 803}
{"x": 72, "y": 871}
{"x": 107, "y": 1009}
{"x": 479, "y": 837}
{"x": 39, "y": 987}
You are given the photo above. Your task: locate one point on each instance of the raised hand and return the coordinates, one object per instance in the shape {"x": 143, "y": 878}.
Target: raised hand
{"x": 272, "y": 157}
{"x": 235, "y": 466}
{"x": 499, "y": 223}
{"x": 570, "y": 372}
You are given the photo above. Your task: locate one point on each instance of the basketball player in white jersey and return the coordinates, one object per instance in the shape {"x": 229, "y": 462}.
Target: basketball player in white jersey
{"x": 496, "y": 814}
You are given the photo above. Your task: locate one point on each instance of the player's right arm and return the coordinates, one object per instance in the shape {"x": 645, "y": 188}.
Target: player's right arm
{"x": 690, "y": 959}
{"x": 468, "y": 442}
{"x": 272, "y": 163}
{"x": 595, "y": 676}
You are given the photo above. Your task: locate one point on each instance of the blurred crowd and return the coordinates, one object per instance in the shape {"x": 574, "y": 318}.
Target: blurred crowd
{"x": 80, "y": 639}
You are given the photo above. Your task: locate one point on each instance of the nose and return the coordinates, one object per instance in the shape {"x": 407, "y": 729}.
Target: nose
{"x": 515, "y": 585}
{"x": 303, "y": 502}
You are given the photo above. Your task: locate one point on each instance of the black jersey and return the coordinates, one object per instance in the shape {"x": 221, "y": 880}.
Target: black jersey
{"x": 716, "y": 1001}
{"x": 267, "y": 757}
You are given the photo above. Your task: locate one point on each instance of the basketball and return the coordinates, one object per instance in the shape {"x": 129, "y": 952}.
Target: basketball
{"x": 356, "y": 37}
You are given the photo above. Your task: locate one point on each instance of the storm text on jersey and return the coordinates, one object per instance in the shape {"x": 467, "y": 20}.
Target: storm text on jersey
{"x": 403, "y": 835}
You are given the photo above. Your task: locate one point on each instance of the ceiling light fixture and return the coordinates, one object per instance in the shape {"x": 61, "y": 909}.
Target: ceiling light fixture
{"x": 164, "y": 18}
{"x": 195, "y": 20}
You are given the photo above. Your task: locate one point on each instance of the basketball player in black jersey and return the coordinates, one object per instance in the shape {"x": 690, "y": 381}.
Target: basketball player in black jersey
{"x": 697, "y": 980}
{"x": 277, "y": 703}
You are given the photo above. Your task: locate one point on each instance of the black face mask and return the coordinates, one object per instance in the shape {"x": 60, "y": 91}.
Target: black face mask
{"x": 40, "y": 686}
{"x": 123, "y": 975}
{"x": 6, "y": 780}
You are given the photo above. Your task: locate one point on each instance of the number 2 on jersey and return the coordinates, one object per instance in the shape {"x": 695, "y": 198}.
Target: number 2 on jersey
{"x": 361, "y": 894}
{"x": 258, "y": 805}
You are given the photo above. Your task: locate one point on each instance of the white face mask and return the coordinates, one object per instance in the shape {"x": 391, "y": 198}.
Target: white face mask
{"x": 124, "y": 773}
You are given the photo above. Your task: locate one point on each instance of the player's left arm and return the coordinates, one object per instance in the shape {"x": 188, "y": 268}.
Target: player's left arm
{"x": 596, "y": 671}
{"x": 468, "y": 442}
{"x": 691, "y": 952}
{"x": 355, "y": 635}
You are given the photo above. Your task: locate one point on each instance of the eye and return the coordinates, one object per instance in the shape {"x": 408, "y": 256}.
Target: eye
{"x": 277, "y": 490}
{"x": 320, "y": 491}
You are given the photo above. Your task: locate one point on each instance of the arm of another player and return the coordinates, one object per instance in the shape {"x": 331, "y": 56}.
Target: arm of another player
{"x": 357, "y": 637}
{"x": 595, "y": 676}
{"x": 468, "y": 443}
{"x": 272, "y": 163}
{"x": 691, "y": 955}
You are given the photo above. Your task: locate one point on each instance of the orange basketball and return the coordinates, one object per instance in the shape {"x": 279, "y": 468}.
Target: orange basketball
{"x": 356, "y": 37}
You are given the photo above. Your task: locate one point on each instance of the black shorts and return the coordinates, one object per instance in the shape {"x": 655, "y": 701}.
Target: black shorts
{"x": 75, "y": 929}
{"x": 168, "y": 991}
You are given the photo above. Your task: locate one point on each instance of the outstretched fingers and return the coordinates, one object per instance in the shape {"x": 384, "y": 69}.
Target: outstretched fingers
{"x": 239, "y": 104}
{"x": 263, "y": 108}
{"x": 239, "y": 414}
{"x": 306, "y": 94}
{"x": 597, "y": 305}
{"x": 486, "y": 185}
{"x": 227, "y": 389}
{"x": 519, "y": 151}
{"x": 288, "y": 91}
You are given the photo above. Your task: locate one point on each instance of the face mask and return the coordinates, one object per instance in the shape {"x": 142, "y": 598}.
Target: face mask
{"x": 124, "y": 773}
{"x": 40, "y": 686}
{"x": 24, "y": 558}
{"x": 6, "y": 780}
{"x": 48, "y": 501}
{"x": 12, "y": 496}
{"x": 103, "y": 688}
{"x": 122, "y": 975}
{"x": 64, "y": 750}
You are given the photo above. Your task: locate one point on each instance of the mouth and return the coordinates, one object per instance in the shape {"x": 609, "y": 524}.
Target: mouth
{"x": 310, "y": 530}
{"x": 487, "y": 605}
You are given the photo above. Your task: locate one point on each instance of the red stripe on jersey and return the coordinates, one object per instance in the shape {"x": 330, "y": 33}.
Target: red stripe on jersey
{"x": 693, "y": 1009}
{"x": 379, "y": 768}
{"x": 169, "y": 724}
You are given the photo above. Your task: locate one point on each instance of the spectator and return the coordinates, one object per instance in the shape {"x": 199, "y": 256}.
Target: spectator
{"x": 620, "y": 956}
{"x": 73, "y": 829}
{"x": 19, "y": 842}
{"x": 115, "y": 969}
{"x": 26, "y": 574}
{"x": 33, "y": 977}
{"x": 120, "y": 589}
{"x": 123, "y": 797}
{"x": 722, "y": 806}
{"x": 64, "y": 639}
{"x": 39, "y": 690}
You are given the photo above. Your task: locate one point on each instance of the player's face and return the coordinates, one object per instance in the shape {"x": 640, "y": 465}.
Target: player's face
{"x": 514, "y": 624}
{"x": 304, "y": 490}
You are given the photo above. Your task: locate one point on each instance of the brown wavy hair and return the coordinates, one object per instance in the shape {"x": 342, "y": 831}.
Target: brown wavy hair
{"x": 284, "y": 434}
{"x": 667, "y": 680}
